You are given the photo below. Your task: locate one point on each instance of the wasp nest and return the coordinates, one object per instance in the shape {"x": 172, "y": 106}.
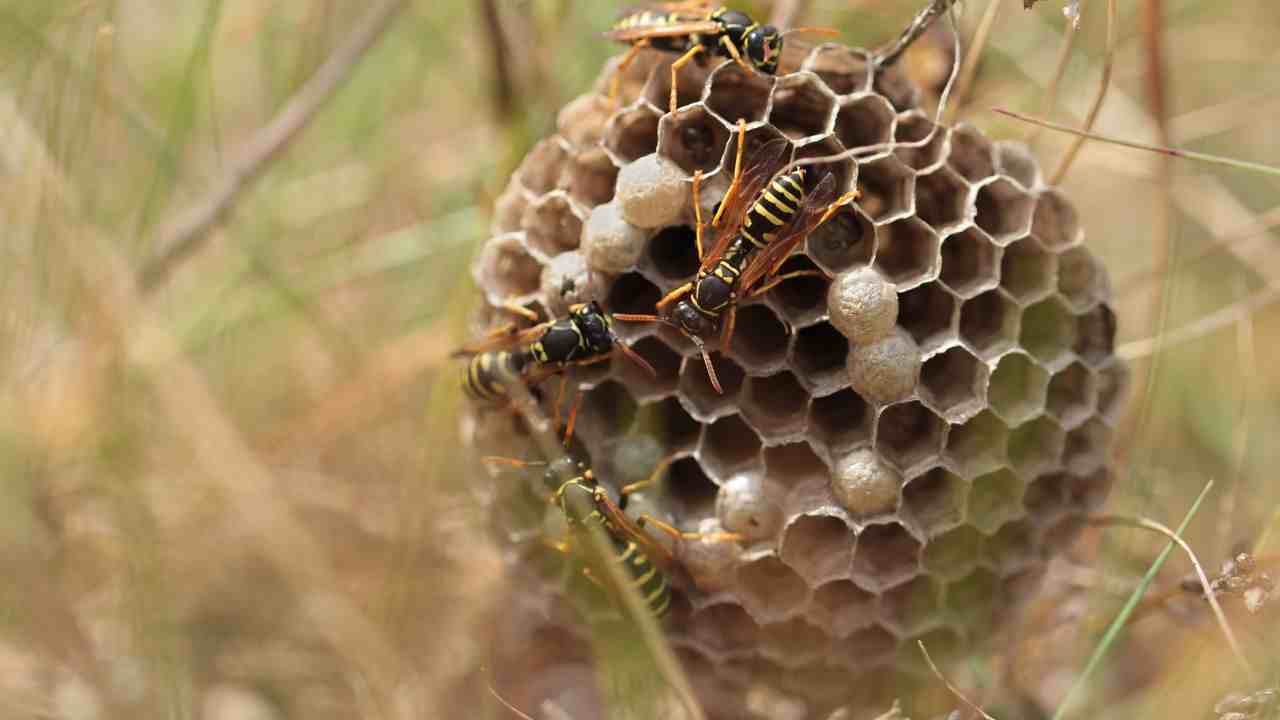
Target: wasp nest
{"x": 905, "y": 441}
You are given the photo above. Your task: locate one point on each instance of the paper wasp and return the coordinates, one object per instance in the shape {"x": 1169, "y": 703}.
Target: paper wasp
{"x": 765, "y": 214}
{"x": 695, "y": 29}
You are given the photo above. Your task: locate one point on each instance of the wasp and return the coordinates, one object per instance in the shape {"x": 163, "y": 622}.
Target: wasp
{"x": 766, "y": 212}
{"x": 583, "y": 337}
{"x": 695, "y": 29}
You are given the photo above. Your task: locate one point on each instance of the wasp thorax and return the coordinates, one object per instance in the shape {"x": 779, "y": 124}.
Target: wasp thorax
{"x": 596, "y": 332}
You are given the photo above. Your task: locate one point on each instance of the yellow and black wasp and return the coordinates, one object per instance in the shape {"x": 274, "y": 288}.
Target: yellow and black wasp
{"x": 698, "y": 29}
{"x": 768, "y": 210}
{"x": 583, "y": 337}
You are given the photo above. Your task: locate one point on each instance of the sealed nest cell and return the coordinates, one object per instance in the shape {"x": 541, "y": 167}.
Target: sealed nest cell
{"x": 904, "y": 441}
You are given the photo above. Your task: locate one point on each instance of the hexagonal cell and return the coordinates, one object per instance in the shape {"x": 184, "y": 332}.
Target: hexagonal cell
{"x": 552, "y": 225}
{"x": 935, "y": 501}
{"x": 840, "y": 422}
{"x": 668, "y": 423}
{"x": 972, "y": 154}
{"x": 692, "y": 138}
{"x": 909, "y": 434}
{"x": 1096, "y": 336}
{"x": 688, "y": 490}
{"x": 896, "y": 88}
{"x": 750, "y": 505}
{"x": 1018, "y": 388}
{"x": 954, "y": 383}
{"x": 672, "y": 254}
{"x": 1087, "y": 493}
{"x": 818, "y": 357}
{"x": 508, "y": 209}
{"x": 978, "y": 446}
{"x": 1011, "y": 548}
{"x": 868, "y": 648}
{"x": 908, "y": 252}
{"x": 970, "y": 262}
{"x": 690, "y": 81}
{"x": 989, "y": 324}
{"x": 995, "y": 499}
{"x": 775, "y": 405}
{"x": 970, "y": 602}
{"x": 1087, "y": 447}
{"x": 506, "y": 270}
{"x": 759, "y": 338}
{"x": 918, "y": 142}
{"x": 1014, "y": 159}
{"x": 844, "y": 70}
{"x": 1071, "y": 395}
{"x": 1056, "y": 223}
{"x": 608, "y": 405}
{"x": 788, "y": 466}
{"x": 886, "y": 556}
{"x": 847, "y": 240}
{"x": 1035, "y": 447}
{"x": 928, "y": 313}
{"x": 729, "y": 444}
{"x": 843, "y": 607}
{"x": 943, "y": 200}
{"x": 819, "y": 547}
{"x": 542, "y": 166}
{"x": 800, "y": 300}
{"x": 663, "y": 359}
{"x": 701, "y": 399}
{"x": 913, "y": 607}
{"x": 1080, "y": 278}
{"x": 739, "y": 95}
{"x": 632, "y": 133}
{"x": 1004, "y": 210}
{"x": 1113, "y": 389}
{"x": 590, "y": 177}
{"x": 865, "y": 122}
{"x": 888, "y": 189}
{"x": 793, "y": 642}
{"x": 1027, "y": 271}
{"x": 955, "y": 554}
{"x": 1048, "y": 331}
{"x": 802, "y": 106}
{"x": 844, "y": 170}
{"x": 632, "y": 293}
{"x": 724, "y": 627}
{"x": 770, "y": 590}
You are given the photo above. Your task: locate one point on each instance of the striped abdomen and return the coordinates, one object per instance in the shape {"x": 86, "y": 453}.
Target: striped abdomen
{"x": 650, "y": 19}
{"x": 643, "y": 575}
{"x": 777, "y": 204}
{"x": 487, "y": 374}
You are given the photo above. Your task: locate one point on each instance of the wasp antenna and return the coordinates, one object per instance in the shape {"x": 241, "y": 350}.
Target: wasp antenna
{"x": 826, "y": 31}
{"x": 510, "y": 462}
{"x": 711, "y": 369}
{"x": 636, "y": 358}
{"x": 626, "y": 317}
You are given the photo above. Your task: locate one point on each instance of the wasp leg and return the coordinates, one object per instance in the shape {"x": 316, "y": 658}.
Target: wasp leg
{"x": 670, "y": 297}
{"x": 675, "y": 71}
{"x": 737, "y": 171}
{"x": 783, "y": 278}
{"x": 615, "y": 84}
{"x": 834, "y": 207}
{"x": 573, "y": 417}
{"x": 697, "y": 211}
{"x": 729, "y": 322}
{"x": 733, "y": 53}
{"x": 520, "y": 310}
{"x": 555, "y": 417}
{"x": 646, "y": 520}
{"x": 650, "y": 481}
{"x": 510, "y": 462}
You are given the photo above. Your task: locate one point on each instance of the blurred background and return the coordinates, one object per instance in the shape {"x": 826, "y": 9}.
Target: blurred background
{"x": 230, "y": 482}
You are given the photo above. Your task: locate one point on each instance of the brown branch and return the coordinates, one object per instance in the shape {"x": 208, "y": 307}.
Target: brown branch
{"x": 1059, "y": 70}
{"x": 1206, "y": 325}
{"x": 190, "y": 230}
{"x": 1108, "y": 65}
{"x": 954, "y": 690}
{"x": 970, "y": 68}
{"x": 504, "y": 85}
{"x": 919, "y": 25}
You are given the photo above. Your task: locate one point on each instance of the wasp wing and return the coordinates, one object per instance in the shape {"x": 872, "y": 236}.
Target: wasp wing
{"x": 764, "y": 164}
{"x": 662, "y": 30}
{"x": 805, "y": 220}
{"x": 502, "y": 339}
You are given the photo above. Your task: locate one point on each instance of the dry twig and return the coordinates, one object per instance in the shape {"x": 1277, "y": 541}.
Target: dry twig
{"x": 1059, "y": 70}
{"x": 970, "y": 68}
{"x": 1108, "y": 64}
{"x": 954, "y": 690}
{"x": 1206, "y": 325}
{"x": 919, "y": 25}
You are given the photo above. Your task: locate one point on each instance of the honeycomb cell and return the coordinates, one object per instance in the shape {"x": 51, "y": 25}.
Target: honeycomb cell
{"x": 969, "y": 602}
{"x": 955, "y": 554}
{"x": 843, "y": 607}
{"x": 972, "y": 154}
{"x": 844, "y": 70}
{"x": 567, "y": 280}
{"x": 928, "y": 312}
{"x": 1087, "y": 447}
{"x": 701, "y": 399}
{"x": 775, "y": 405}
{"x": 672, "y": 255}
{"x": 748, "y": 505}
{"x": 632, "y": 134}
{"x": 1056, "y": 223}
{"x": 710, "y": 564}
{"x": 886, "y": 370}
{"x": 590, "y": 177}
{"x": 736, "y": 94}
{"x": 863, "y": 305}
{"x": 844, "y": 170}
{"x": 1027, "y": 271}
{"x": 1113, "y": 388}
{"x": 693, "y": 139}
{"x": 1004, "y": 210}
{"x": 918, "y": 142}
{"x": 508, "y": 209}
{"x": 668, "y": 423}
{"x": 759, "y": 338}
{"x": 868, "y": 648}
{"x": 1080, "y": 279}
{"x": 995, "y": 499}
{"x": 507, "y": 272}
{"x": 583, "y": 120}
{"x": 688, "y": 489}
{"x": 895, "y": 86}
{"x": 1087, "y": 493}
{"x": 908, "y": 252}
{"x": 954, "y": 383}
{"x": 1071, "y": 395}
{"x": 864, "y": 485}
{"x": 1018, "y": 388}
{"x": 789, "y": 466}
{"x": 1010, "y": 549}
{"x": 608, "y": 405}
{"x": 632, "y": 293}
{"x": 818, "y": 547}
{"x": 888, "y": 190}
{"x": 818, "y": 358}
{"x": 644, "y": 386}
{"x": 943, "y": 200}
{"x": 1048, "y": 332}
{"x": 935, "y": 501}
{"x": 609, "y": 243}
{"x": 840, "y": 422}
{"x": 729, "y": 444}
{"x": 542, "y": 166}
{"x": 770, "y": 590}
{"x": 864, "y": 122}
{"x": 913, "y": 607}
{"x": 1036, "y": 446}
{"x": 886, "y": 555}
{"x": 978, "y": 446}
{"x": 652, "y": 192}
{"x": 1014, "y": 159}
{"x": 909, "y": 435}
{"x": 800, "y": 300}
{"x": 552, "y": 225}
{"x": 847, "y": 240}
{"x": 970, "y": 263}
{"x": 724, "y": 628}
{"x": 794, "y": 642}
{"x": 690, "y": 81}
{"x": 1096, "y": 336}
{"x": 803, "y": 107}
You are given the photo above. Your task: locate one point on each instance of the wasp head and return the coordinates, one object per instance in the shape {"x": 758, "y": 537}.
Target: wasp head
{"x": 763, "y": 48}
{"x": 691, "y": 321}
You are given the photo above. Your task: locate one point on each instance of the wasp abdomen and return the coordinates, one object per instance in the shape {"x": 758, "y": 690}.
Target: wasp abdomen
{"x": 488, "y": 373}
